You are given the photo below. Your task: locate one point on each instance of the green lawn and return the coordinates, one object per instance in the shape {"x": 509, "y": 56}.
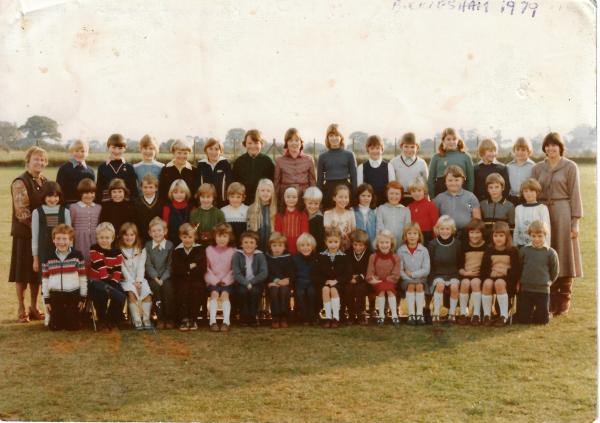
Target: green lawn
{"x": 306, "y": 374}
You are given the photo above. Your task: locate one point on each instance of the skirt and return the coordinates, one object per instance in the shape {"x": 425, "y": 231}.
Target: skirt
{"x": 21, "y": 262}
{"x": 384, "y": 286}
{"x": 130, "y": 287}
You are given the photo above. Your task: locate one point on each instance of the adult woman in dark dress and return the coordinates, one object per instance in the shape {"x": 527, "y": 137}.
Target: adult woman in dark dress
{"x": 26, "y": 195}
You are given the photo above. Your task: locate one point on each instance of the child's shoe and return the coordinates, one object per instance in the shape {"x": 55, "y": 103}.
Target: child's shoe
{"x": 463, "y": 320}
{"x": 487, "y": 321}
{"x": 193, "y": 325}
{"x": 283, "y": 323}
{"x": 475, "y": 320}
{"x": 184, "y": 326}
{"x": 335, "y": 323}
{"x": 435, "y": 320}
{"x": 138, "y": 325}
{"x": 214, "y": 327}
{"x": 275, "y": 323}
{"x": 363, "y": 321}
{"x": 396, "y": 321}
{"x": 326, "y": 323}
{"x": 500, "y": 322}
{"x": 451, "y": 319}
{"x": 224, "y": 327}
{"x": 412, "y": 321}
{"x": 420, "y": 320}
{"x": 380, "y": 321}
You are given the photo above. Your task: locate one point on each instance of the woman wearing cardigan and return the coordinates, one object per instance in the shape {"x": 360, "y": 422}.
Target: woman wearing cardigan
{"x": 294, "y": 168}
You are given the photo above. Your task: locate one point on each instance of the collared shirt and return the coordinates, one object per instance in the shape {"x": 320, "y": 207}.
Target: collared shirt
{"x": 161, "y": 245}
{"x": 83, "y": 205}
{"x": 459, "y": 206}
{"x": 150, "y": 200}
{"x": 331, "y": 255}
{"x": 249, "y": 272}
{"x": 187, "y": 164}
{"x": 374, "y": 164}
{"x": 63, "y": 255}
{"x": 75, "y": 163}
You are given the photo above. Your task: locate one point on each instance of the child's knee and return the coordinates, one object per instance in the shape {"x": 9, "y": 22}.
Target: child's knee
{"x": 487, "y": 286}
{"x": 411, "y": 288}
{"x": 500, "y": 286}
{"x": 476, "y": 284}
{"x": 419, "y": 287}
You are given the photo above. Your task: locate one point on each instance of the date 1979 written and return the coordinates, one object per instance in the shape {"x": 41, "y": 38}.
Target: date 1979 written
{"x": 503, "y": 7}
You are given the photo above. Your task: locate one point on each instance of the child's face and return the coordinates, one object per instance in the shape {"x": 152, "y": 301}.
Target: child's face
{"x": 129, "y": 238}
{"x": 412, "y": 237}
{"x": 277, "y": 248}
{"x": 180, "y": 156}
{"x": 475, "y": 236}
{"x": 312, "y": 206}
{"x": 384, "y": 245}
{"x": 294, "y": 144}
{"x": 253, "y": 147}
{"x": 489, "y": 155}
{"x": 117, "y": 195}
{"x": 530, "y": 196}
{"x": 333, "y": 243}
{"x": 453, "y": 183}
{"x": 334, "y": 140}
{"x": 521, "y": 154}
{"x": 213, "y": 152}
{"x": 417, "y": 194}
{"x": 206, "y": 201}
{"x": 537, "y": 239}
{"x": 305, "y": 249}
{"x": 62, "y": 242}
{"x": 79, "y": 154}
{"x": 265, "y": 194}
{"x": 409, "y": 150}
{"x": 495, "y": 191}
{"x": 394, "y": 196}
{"x": 148, "y": 153}
{"x": 88, "y": 197}
{"x": 375, "y": 152}
{"x": 235, "y": 199}
{"x": 248, "y": 245}
{"x": 358, "y": 247}
{"x": 342, "y": 198}
{"x": 445, "y": 231}
{"x": 364, "y": 199}
{"x": 222, "y": 240}
{"x": 499, "y": 239}
{"x": 116, "y": 152}
{"x": 552, "y": 151}
{"x": 158, "y": 233}
{"x": 450, "y": 142}
{"x": 187, "y": 239}
{"x": 105, "y": 239}
{"x": 291, "y": 199}
{"x": 52, "y": 200}
{"x": 179, "y": 195}
{"x": 148, "y": 189}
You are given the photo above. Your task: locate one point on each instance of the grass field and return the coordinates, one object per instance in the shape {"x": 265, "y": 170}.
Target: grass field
{"x": 537, "y": 374}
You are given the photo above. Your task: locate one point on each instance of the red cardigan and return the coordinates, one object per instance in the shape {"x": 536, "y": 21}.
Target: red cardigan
{"x": 292, "y": 225}
{"x": 425, "y": 213}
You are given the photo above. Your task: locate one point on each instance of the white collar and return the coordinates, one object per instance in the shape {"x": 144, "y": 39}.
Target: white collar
{"x": 83, "y": 205}
{"x": 187, "y": 165}
{"x": 375, "y": 163}
{"x": 181, "y": 245}
{"x": 408, "y": 159}
{"x": 151, "y": 200}
{"x": 161, "y": 245}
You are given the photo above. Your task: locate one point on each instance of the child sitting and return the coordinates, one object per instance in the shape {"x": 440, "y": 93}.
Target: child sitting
{"x": 207, "y": 216}
{"x": 355, "y": 292}
{"x": 236, "y": 212}
{"x": 278, "y": 282}
{"x": 470, "y": 272}
{"x": 383, "y": 272}
{"x": 304, "y": 288}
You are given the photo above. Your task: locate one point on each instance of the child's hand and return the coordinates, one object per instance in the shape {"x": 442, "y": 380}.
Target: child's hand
{"x": 220, "y": 283}
{"x": 284, "y": 282}
{"x": 333, "y": 283}
{"x": 81, "y": 305}
{"x": 460, "y": 272}
{"x": 249, "y": 286}
{"x": 48, "y": 308}
{"x": 410, "y": 275}
{"x": 159, "y": 281}
{"x": 193, "y": 265}
{"x": 36, "y": 264}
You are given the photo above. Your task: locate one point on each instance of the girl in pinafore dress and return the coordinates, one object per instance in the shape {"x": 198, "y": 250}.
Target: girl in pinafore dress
{"x": 84, "y": 217}
{"x": 383, "y": 273}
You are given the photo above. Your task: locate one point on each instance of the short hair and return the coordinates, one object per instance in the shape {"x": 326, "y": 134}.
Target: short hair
{"x": 211, "y": 142}
{"x": 418, "y": 183}
{"x": 522, "y": 142}
{"x": 116, "y": 140}
{"x": 531, "y": 184}
{"x": 454, "y": 171}
{"x": 410, "y": 139}
{"x": 61, "y": 228}
{"x": 444, "y": 220}
{"x": 130, "y": 226}
{"x": 118, "y": 183}
{"x": 254, "y": 135}
{"x": 187, "y": 229}
{"x": 386, "y": 234}
{"x": 374, "y": 141}
{"x": 36, "y": 151}
{"x": 86, "y": 185}
{"x": 289, "y": 134}
{"x": 393, "y": 185}
{"x": 292, "y": 188}
{"x": 224, "y": 229}
{"x": 205, "y": 190}
{"x": 413, "y": 226}
{"x": 180, "y": 145}
{"x": 148, "y": 141}
{"x": 460, "y": 146}
{"x": 105, "y": 227}
{"x": 313, "y": 193}
{"x": 475, "y": 225}
{"x": 487, "y": 145}
{"x": 51, "y": 188}
{"x": 250, "y": 234}
{"x": 495, "y": 178}
{"x": 236, "y": 188}
{"x": 157, "y": 221}
{"x": 333, "y": 129}
{"x": 358, "y": 235}
{"x": 367, "y": 187}
{"x": 179, "y": 184}
{"x": 150, "y": 178}
{"x": 79, "y": 144}
{"x": 536, "y": 227}
{"x": 502, "y": 227}
{"x": 306, "y": 238}
{"x": 277, "y": 238}
{"x": 554, "y": 138}
{"x": 333, "y": 232}
{"x": 342, "y": 187}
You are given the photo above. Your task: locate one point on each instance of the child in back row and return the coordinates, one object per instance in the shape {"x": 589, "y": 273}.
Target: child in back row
{"x": 408, "y": 166}
{"x": 414, "y": 269}
{"x": 292, "y": 221}
{"x": 312, "y": 202}
{"x": 147, "y": 205}
{"x": 355, "y": 292}
{"x": 529, "y": 211}
{"x": 115, "y": 167}
{"x": 74, "y": 171}
{"x": 470, "y": 272}
{"x": 365, "y": 214}
{"x": 149, "y": 165}
{"x": 375, "y": 171}
{"x": 178, "y": 168}
{"x": 216, "y": 170}
{"x": 84, "y": 217}
{"x": 176, "y": 211}
{"x": 236, "y": 212}
{"x": 383, "y": 272}
{"x": 422, "y": 210}
{"x": 278, "y": 282}
{"x": 488, "y": 150}
{"x": 451, "y": 152}
{"x": 206, "y": 216}
{"x": 519, "y": 169}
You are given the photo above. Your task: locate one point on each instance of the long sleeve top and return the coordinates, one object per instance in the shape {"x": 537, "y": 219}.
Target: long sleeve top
{"x": 525, "y": 214}
{"x": 407, "y": 169}
{"x": 334, "y": 165}
{"x": 332, "y": 267}
{"x": 359, "y": 265}
{"x": 291, "y": 224}
{"x": 181, "y": 261}
{"x": 472, "y": 258}
{"x": 317, "y": 229}
{"x": 394, "y": 219}
{"x": 218, "y": 265}
{"x": 482, "y": 171}
{"x": 501, "y": 264}
{"x": 517, "y": 174}
{"x": 68, "y": 177}
{"x": 106, "y": 264}
{"x": 280, "y": 267}
{"x": 296, "y": 172}
{"x": 134, "y": 264}
{"x": 52, "y": 220}
{"x": 118, "y": 213}
{"x": 384, "y": 267}
{"x": 169, "y": 173}
{"x": 425, "y": 213}
{"x": 237, "y": 218}
{"x": 260, "y": 271}
{"x": 158, "y": 259}
{"x": 249, "y": 170}
{"x": 146, "y": 210}
{"x": 539, "y": 268}
{"x": 439, "y": 163}
{"x": 110, "y": 170}
{"x": 417, "y": 263}
{"x": 303, "y": 268}
{"x": 205, "y": 220}
{"x": 445, "y": 257}
{"x": 64, "y": 273}
{"x": 219, "y": 174}
{"x": 366, "y": 219}
{"x": 503, "y": 211}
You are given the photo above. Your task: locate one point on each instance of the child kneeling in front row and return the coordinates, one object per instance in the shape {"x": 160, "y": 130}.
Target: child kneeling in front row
{"x": 64, "y": 283}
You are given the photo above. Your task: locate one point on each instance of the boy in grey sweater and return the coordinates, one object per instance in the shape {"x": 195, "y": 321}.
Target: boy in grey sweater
{"x": 539, "y": 268}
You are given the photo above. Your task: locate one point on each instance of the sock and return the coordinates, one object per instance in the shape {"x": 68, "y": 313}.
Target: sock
{"x": 146, "y": 308}
{"x": 226, "y": 311}
{"x": 420, "y": 302}
{"x": 381, "y": 307}
{"x": 452, "y": 310}
{"x": 212, "y": 308}
{"x": 437, "y": 302}
{"x": 335, "y": 308}
{"x": 393, "y": 305}
{"x": 135, "y": 313}
{"x": 327, "y": 306}
{"x": 476, "y": 298}
{"x": 410, "y": 302}
{"x": 503, "y": 303}
{"x": 486, "y": 301}
{"x": 464, "y": 304}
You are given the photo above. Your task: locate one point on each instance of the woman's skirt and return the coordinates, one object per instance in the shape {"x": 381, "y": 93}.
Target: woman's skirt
{"x": 21, "y": 262}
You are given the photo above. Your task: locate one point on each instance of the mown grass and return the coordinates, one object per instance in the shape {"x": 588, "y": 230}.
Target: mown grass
{"x": 306, "y": 374}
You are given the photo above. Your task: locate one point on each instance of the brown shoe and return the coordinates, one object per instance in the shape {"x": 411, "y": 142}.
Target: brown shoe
{"x": 462, "y": 320}
{"x": 335, "y": 323}
{"x": 500, "y": 322}
{"x": 475, "y": 321}
{"x": 274, "y": 323}
{"x": 283, "y": 323}
{"x": 35, "y": 314}
{"x": 214, "y": 327}
{"x": 487, "y": 321}
{"x": 327, "y": 323}
{"x": 224, "y": 327}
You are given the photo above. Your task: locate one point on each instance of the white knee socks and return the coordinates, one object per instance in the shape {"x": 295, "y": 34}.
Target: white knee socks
{"x": 503, "y": 303}
{"x": 410, "y": 302}
{"x": 327, "y": 307}
{"x": 212, "y": 308}
{"x": 476, "y": 298}
{"x": 335, "y": 308}
{"x": 393, "y": 305}
{"x": 381, "y": 307}
{"x": 146, "y": 308}
{"x": 226, "y": 312}
{"x": 486, "y": 301}
{"x": 420, "y": 300}
{"x": 437, "y": 302}
{"x": 135, "y": 313}
{"x": 464, "y": 304}
{"x": 452, "y": 310}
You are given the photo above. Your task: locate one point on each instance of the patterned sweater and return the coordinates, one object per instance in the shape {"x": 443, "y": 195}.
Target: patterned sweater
{"x": 106, "y": 264}
{"x": 64, "y": 274}
{"x": 291, "y": 224}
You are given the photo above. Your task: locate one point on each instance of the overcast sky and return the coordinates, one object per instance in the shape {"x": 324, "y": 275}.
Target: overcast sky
{"x": 181, "y": 68}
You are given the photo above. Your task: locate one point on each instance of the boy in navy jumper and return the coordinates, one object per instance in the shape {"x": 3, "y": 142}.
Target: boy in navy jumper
{"x": 304, "y": 287}
{"x": 488, "y": 150}
{"x": 115, "y": 167}
{"x": 375, "y": 171}
{"x": 74, "y": 170}
{"x": 280, "y": 275}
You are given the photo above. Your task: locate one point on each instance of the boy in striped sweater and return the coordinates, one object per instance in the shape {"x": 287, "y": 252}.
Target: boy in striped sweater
{"x": 64, "y": 283}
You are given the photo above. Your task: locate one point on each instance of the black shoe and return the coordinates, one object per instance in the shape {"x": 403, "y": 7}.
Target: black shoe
{"x": 412, "y": 321}
{"x": 420, "y": 320}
